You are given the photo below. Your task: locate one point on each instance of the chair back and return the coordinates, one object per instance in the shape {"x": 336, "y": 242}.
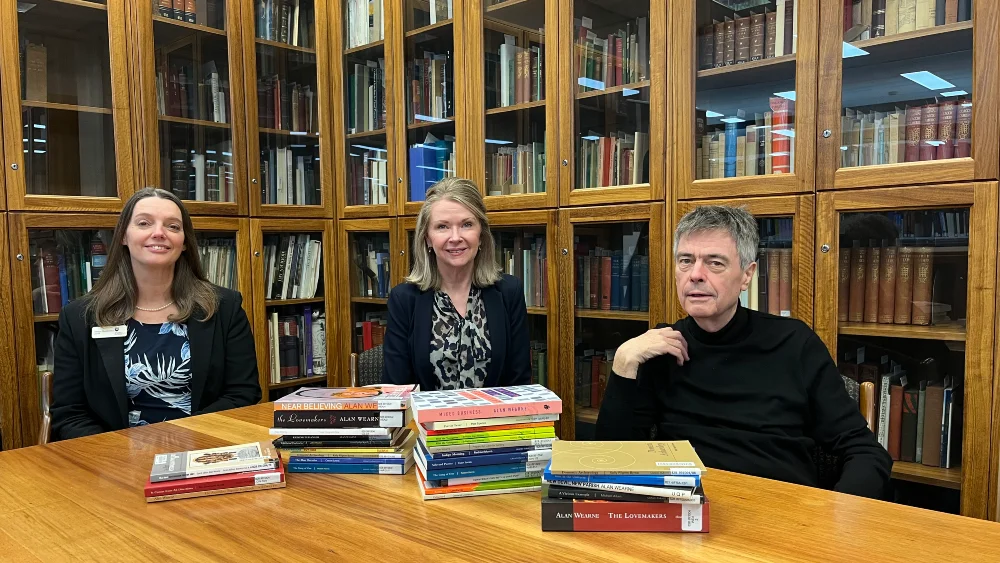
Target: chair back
{"x": 366, "y": 367}
{"x": 45, "y": 428}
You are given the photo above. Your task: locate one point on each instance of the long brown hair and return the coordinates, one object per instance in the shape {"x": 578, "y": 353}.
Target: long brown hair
{"x": 112, "y": 299}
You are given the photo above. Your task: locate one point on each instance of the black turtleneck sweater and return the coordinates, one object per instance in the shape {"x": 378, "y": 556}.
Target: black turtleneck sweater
{"x": 756, "y": 397}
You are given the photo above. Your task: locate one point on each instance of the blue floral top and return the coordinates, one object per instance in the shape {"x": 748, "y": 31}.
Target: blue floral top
{"x": 157, "y": 372}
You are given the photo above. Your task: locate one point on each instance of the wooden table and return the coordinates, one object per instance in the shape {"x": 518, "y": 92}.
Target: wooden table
{"x": 82, "y": 499}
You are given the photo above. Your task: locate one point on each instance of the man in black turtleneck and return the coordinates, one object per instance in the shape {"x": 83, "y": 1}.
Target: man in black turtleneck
{"x": 754, "y": 393}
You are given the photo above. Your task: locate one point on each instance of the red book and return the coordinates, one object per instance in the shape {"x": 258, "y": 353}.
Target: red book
{"x": 928, "y": 132}
{"x": 895, "y": 420}
{"x": 215, "y": 482}
{"x": 575, "y": 515}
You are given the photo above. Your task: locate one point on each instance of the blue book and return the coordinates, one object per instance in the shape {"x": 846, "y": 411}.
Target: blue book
{"x": 349, "y": 468}
{"x": 421, "y": 175}
{"x": 481, "y": 470}
{"x": 483, "y": 451}
{"x": 492, "y": 459}
{"x": 616, "y": 273}
{"x": 678, "y": 481}
{"x": 347, "y": 460}
{"x": 636, "y": 281}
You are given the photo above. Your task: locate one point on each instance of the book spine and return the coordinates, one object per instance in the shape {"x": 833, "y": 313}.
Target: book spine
{"x": 923, "y": 274}
{"x": 382, "y": 405}
{"x": 904, "y": 285}
{"x": 912, "y": 151}
{"x": 946, "y": 130}
{"x": 531, "y": 456}
{"x": 213, "y": 492}
{"x": 844, "y": 285}
{"x": 560, "y": 515}
{"x": 486, "y": 411}
{"x": 856, "y": 310}
{"x": 887, "y": 286}
{"x": 928, "y": 131}
{"x": 872, "y": 284}
{"x": 355, "y": 468}
{"x": 963, "y": 130}
{"x": 339, "y": 419}
{"x": 477, "y": 471}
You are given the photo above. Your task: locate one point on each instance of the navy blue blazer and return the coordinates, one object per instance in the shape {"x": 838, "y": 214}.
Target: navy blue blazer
{"x": 407, "y": 343}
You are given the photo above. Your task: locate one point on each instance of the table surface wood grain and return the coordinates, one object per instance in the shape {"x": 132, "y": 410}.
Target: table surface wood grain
{"x": 82, "y": 500}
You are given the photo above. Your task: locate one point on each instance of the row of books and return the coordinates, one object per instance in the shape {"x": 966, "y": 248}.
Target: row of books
{"x": 619, "y": 159}
{"x": 65, "y": 265}
{"x": 612, "y": 281}
{"x": 591, "y": 370}
{"x": 292, "y": 266}
{"x": 888, "y": 284}
{"x": 429, "y": 162}
{"x": 515, "y": 75}
{"x": 292, "y": 22}
{"x": 624, "y": 487}
{"x": 470, "y": 442}
{"x": 935, "y": 131}
{"x": 368, "y": 173}
{"x": 200, "y": 175}
{"x": 370, "y": 332}
{"x": 770, "y": 289}
{"x": 289, "y": 172}
{"x": 370, "y": 276}
{"x": 209, "y": 13}
{"x": 516, "y": 170}
{"x": 365, "y": 22}
{"x": 218, "y": 260}
{"x": 620, "y": 57}
{"x": 865, "y": 19}
{"x": 366, "y": 103}
{"x": 431, "y": 87}
{"x": 184, "y": 90}
{"x": 525, "y": 257}
{"x": 742, "y": 148}
{"x": 753, "y": 37}
{"x": 354, "y": 430}
{"x": 539, "y": 363}
{"x": 296, "y": 341}
{"x": 287, "y": 106}
{"x": 238, "y": 468}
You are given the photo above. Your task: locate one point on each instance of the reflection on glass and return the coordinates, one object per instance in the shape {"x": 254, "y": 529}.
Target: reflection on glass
{"x": 365, "y": 22}
{"x": 770, "y": 288}
{"x": 907, "y": 84}
{"x": 367, "y": 175}
{"x": 290, "y": 23}
{"x": 217, "y": 252}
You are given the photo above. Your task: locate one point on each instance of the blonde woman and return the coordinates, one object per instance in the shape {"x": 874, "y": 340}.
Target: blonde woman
{"x": 457, "y": 322}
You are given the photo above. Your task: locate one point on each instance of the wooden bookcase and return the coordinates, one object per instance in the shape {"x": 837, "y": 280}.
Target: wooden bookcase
{"x": 10, "y": 409}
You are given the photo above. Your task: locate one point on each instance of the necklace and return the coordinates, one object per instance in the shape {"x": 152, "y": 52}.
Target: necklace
{"x": 154, "y": 310}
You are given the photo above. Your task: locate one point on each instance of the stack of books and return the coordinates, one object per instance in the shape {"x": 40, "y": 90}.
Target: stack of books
{"x": 624, "y": 487}
{"x": 483, "y": 441}
{"x": 215, "y": 471}
{"x": 345, "y": 430}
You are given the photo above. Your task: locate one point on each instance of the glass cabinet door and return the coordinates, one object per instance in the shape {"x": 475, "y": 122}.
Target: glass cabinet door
{"x": 68, "y": 80}
{"x": 367, "y": 276}
{"x": 915, "y": 87}
{"x": 901, "y": 297}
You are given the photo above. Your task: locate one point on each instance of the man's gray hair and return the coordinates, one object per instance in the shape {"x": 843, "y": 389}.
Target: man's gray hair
{"x": 737, "y": 221}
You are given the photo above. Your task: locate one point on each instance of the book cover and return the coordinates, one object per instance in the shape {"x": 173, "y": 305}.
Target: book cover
{"x": 570, "y": 515}
{"x": 215, "y": 482}
{"x": 625, "y": 458}
{"x": 460, "y": 404}
{"x": 253, "y": 456}
{"x": 381, "y": 398}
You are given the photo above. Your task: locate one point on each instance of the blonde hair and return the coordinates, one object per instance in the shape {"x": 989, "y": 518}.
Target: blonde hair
{"x": 464, "y": 192}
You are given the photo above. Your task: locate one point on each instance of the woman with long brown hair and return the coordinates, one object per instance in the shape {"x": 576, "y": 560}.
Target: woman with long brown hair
{"x": 153, "y": 340}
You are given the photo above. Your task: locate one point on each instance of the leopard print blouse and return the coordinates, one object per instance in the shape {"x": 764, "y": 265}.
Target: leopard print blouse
{"x": 460, "y": 347}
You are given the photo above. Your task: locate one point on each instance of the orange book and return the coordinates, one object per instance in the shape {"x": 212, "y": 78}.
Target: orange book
{"x": 904, "y": 285}
{"x": 773, "y": 281}
{"x": 844, "y": 284}
{"x": 887, "y": 286}
{"x": 871, "y": 283}
{"x": 785, "y": 285}
{"x": 923, "y": 281}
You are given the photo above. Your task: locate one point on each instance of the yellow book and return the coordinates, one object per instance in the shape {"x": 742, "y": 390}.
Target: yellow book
{"x": 625, "y": 458}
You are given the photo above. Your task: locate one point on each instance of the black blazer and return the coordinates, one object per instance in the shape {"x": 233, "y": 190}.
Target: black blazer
{"x": 407, "y": 343}
{"x": 88, "y": 387}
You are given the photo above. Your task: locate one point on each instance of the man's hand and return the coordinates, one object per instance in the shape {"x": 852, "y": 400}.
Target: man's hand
{"x": 654, "y": 342}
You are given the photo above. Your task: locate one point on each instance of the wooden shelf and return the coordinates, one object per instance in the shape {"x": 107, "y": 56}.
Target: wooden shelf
{"x": 526, "y": 14}
{"x": 82, "y": 4}
{"x": 612, "y": 315}
{"x": 195, "y": 122}
{"x": 428, "y": 28}
{"x": 949, "y": 332}
{"x": 279, "y": 45}
{"x": 367, "y": 46}
{"x": 64, "y": 107}
{"x": 587, "y": 415}
{"x": 752, "y": 72}
{"x": 370, "y": 300}
{"x": 612, "y": 90}
{"x": 269, "y": 131}
{"x": 426, "y": 124}
{"x": 909, "y": 35}
{"x": 929, "y": 42}
{"x": 516, "y": 107}
{"x": 298, "y": 381}
{"x": 538, "y": 311}
{"x": 936, "y": 476}
{"x": 191, "y": 26}
{"x": 278, "y": 302}
{"x": 47, "y": 318}
{"x": 366, "y": 134}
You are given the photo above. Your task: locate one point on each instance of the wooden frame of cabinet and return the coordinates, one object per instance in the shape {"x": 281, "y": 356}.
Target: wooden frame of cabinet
{"x": 146, "y": 125}
{"x": 985, "y": 161}
{"x": 978, "y": 474}
{"x": 476, "y": 100}
{"x": 18, "y": 198}
{"x": 659, "y": 165}
{"x": 652, "y": 213}
{"x": 10, "y": 409}
{"x": 324, "y": 103}
{"x": 328, "y": 298}
{"x": 346, "y": 318}
{"x": 395, "y": 40}
{"x": 801, "y": 208}
{"x": 683, "y": 80}
{"x": 338, "y": 89}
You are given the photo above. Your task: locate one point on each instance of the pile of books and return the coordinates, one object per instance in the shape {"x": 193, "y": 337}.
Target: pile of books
{"x": 624, "y": 487}
{"x": 345, "y": 430}
{"x": 215, "y": 471}
{"x": 483, "y": 441}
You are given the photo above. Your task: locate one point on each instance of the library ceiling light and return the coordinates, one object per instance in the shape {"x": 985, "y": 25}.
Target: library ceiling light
{"x": 629, "y": 92}
{"x": 789, "y": 95}
{"x": 591, "y": 138}
{"x": 710, "y": 113}
{"x": 732, "y": 120}
{"x": 928, "y": 80}
{"x": 954, "y": 93}
{"x": 367, "y": 148}
{"x": 783, "y": 133}
{"x": 590, "y": 83}
{"x": 849, "y": 51}
{"x": 497, "y": 142}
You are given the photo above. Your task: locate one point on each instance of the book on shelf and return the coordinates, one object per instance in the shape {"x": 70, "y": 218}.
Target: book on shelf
{"x": 882, "y": 18}
{"x": 292, "y": 265}
{"x": 34, "y": 71}
{"x": 218, "y": 260}
{"x": 525, "y": 257}
{"x": 750, "y": 35}
{"x": 621, "y": 57}
{"x": 365, "y": 22}
{"x": 430, "y": 161}
{"x": 515, "y": 74}
{"x": 744, "y": 148}
{"x": 370, "y": 276}
{"x": 619, "y": 159}
{"x": 191, "y": 91}
{"x": 296, "y": 342}
{"x": 539, "y": 362}
{"x": 210, "y": 13}
{"x": 430, "y": 80}
{"x": 292, "y": 22}
{"x": 591, "y": 369}
{"x": 204, "y": 173}
{"x": 770, "y": 288}
{"x": 65, "y": 266}
{"x": 612, "y": 280}
{"x": 366, "y": 102}
{"x": 516, "y": 170}
{"x": 370, "y": 332}
{"x": 933, "y": 131}
{"x": 368, "y": 174}
{"x": 287, "y": 106}
{"x": 289, "y": 172}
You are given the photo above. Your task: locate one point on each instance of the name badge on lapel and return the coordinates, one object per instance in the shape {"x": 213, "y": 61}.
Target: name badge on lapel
{"x": 108, "y": 332}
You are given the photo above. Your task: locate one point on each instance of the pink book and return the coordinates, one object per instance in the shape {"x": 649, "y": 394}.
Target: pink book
{"x": 488, "y": 402}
